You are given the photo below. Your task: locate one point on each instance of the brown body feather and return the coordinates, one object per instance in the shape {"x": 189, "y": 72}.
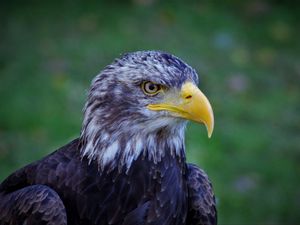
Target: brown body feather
{"x": 62, "y": 187}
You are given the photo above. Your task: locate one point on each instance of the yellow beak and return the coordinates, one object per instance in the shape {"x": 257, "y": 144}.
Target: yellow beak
{"x": 191, "y": 104}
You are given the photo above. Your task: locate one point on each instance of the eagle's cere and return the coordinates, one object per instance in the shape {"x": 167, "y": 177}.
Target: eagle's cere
{"x": 128, "y": 166}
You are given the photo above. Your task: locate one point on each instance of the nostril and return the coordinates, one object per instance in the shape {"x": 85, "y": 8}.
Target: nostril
{"x": 188, "y": 97}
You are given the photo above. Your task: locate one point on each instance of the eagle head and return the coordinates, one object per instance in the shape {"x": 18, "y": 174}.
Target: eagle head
{"x": 139, "y": 104}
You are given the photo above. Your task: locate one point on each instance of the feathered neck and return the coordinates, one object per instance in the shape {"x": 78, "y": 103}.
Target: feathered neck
{"x": 122, "y": 147}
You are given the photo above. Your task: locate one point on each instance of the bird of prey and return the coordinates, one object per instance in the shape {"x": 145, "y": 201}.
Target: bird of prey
{"x": 128, "y": 167}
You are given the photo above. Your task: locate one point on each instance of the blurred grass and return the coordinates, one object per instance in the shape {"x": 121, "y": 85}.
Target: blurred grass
{"x": 246, "y": 52}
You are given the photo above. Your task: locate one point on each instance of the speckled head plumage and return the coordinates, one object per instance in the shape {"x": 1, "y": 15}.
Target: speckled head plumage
{"x": 119, "y": 123}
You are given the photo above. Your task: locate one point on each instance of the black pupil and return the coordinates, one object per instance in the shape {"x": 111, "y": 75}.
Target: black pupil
{"x": 152, "y": 87}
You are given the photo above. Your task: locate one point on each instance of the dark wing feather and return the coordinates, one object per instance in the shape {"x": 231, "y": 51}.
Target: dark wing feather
{"x": 36, "y": 204}
{"x": 26, "y": 196}
{"x": 202, "y": 204}
{"x": 137, "y": 216}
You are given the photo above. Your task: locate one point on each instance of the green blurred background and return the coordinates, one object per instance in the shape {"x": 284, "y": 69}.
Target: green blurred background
{"x": 246, "y": 52}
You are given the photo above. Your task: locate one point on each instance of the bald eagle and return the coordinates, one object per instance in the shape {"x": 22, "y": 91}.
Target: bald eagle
{"x": 128, "y": 166}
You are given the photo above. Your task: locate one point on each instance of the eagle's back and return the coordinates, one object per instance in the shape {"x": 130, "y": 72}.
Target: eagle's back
{"x": 148, "y": 193}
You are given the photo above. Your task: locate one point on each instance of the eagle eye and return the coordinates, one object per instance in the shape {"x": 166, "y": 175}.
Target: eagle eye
{"x": 150, "y": 88}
